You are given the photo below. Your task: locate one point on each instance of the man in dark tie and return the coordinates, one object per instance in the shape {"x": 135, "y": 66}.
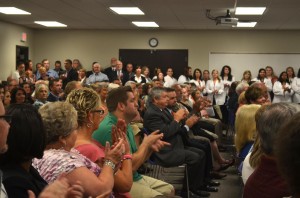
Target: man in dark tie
{"x": 158, "y": 117}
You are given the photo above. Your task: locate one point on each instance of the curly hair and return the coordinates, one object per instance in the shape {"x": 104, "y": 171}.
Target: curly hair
{"x": 83, "y": 100}
{"x": 59, "y": 118}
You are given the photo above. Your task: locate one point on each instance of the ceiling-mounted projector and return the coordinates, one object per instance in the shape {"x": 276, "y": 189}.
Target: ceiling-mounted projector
{"x": 226, "y": 20}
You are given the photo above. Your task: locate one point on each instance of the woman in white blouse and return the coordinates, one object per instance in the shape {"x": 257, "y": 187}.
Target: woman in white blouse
{"x": 296, "y": 88}
{"x": 198, "y": 81}
{"x": 187, "y": 75}
{"x": 262, "y": 78}
{"x": 282, "y": 89}
{"x": 215, "y": 91}
{"x": 226, "y": 78}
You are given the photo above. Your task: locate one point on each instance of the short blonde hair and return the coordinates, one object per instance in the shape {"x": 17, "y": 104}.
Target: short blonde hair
{"x": 245, "y": 125}
{"x": 59, "y": 118}
{"x": 38, "y": 88}
{"x": 84, "y": 100}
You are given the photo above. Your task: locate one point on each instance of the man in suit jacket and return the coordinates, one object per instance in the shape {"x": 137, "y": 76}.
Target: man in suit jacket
{"x": 71, "y": 74}
{"x": 158, "y": 117}
{"x": 111, "y": 71}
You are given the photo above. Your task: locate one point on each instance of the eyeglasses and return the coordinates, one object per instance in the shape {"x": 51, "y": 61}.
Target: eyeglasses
{"x": 100, "y": 111}
{"x": 7, "y": 118}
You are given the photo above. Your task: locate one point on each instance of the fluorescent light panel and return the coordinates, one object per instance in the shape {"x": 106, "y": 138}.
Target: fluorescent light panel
{"x": 145, "y": 24}
{"x": 246, "y": 24}
{"x": 127, "y": 10}
{"x": 250, "y": 10}
{"x": 50, "y": 23}
{"x": 13, "y": 10}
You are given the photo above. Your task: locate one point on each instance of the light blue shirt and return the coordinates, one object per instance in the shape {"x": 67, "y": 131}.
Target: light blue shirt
{"x": 51, "y": 73}
{"x": 96, "y": 78}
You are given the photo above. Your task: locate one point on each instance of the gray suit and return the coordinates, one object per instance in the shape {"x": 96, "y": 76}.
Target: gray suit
{"x": 177, "y": 153}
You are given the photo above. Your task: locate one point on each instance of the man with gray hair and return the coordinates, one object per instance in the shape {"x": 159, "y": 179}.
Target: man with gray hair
{"x": 266, "y": 180}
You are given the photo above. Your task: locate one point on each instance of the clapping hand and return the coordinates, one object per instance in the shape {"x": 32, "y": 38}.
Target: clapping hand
{"x": 154, "y": 141}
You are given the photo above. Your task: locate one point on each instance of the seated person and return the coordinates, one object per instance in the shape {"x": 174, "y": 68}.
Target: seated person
{"x": 121, "y": 104}
{"x": 266, "y": 180}
{"x": 287, "y": 154}
{"x": 60, "y": 122}
{"x": 90, "y": 114}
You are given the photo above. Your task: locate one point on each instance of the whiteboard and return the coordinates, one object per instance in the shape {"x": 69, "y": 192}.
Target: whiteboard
{"x": 239, "y": 62}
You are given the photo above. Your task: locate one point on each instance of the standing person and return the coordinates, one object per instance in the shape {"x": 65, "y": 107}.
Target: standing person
{"x": 27, "y": 87}
{"x": 70, "y": 75}
{"x": 146, "y": 74}
{"x": 283, "y": 91}
{"x": 57, "y": 68}
{"x": 111, "y": 71}
{"x": 50, "y": 72}
{"x": 205, "y": 77}
{"x": 187, "y": 75}
{"x": 270, "y": 74}
{"x": 247, "y": 76}
{"x": 215, "y": 91}
{"x": 197, "y": 79}
{"x": 128, "y": 74}
{"x": 169, "y": 79}
{"x": 121, "y": 104}
{"x": 76, "y": 64}
{"x": 261, "y": 77}
{"x": 55, "y": 90}
{"x": 20, "y": 69}
{"x": 157, "y": 70}
{"x": 296, "y": 88}
{"x": 138, "y": 78}
{"x": 227, "y": 79}
{"x": 291, "y": 74}
{"x": 97, "y": 75}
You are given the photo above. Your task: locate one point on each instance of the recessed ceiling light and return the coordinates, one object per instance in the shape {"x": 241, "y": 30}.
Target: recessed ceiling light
{"x": 13, "y": 10}
{"x": 250, "y": 10}
{"x": 246, "y": 24}
{"x": 145, "y": 24}
{"x": 50, "y": 23}
{"x": 127, "y": 10}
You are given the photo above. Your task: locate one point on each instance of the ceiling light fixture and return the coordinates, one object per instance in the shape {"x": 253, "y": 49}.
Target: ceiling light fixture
{"x": 13, "y": 10}
{"x": 127, "y": 10}
{"x": 145, "y": 24}
{"x": 246, "y": 24}
{"x": 250, "y": 10}
{"x": 50, "y": 23}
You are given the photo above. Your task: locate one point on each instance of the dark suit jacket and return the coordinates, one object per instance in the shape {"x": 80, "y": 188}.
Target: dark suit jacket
{"x": 155, "y": 119}
{"x": 110, "y": 74}
{"x": 71, "y": 76}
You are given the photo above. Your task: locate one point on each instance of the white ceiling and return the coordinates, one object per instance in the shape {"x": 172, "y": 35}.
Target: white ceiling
{"x": 168, "y": 14}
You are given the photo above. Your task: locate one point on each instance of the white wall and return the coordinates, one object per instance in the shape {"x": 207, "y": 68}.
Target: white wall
{"x": 10, "y": 37}
{"x": 101, "y": 45}
{"x": 96, "y": 45}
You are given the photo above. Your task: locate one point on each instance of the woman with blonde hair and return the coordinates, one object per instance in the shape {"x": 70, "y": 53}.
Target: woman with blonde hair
{"x": 245, "y": 127}
{"x": 90, "y": 114}
{"x": 247, "y": 76}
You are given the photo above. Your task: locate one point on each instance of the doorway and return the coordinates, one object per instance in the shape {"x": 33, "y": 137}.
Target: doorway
{"x": 22, "y": 54}
{"x": 177, "y": 59}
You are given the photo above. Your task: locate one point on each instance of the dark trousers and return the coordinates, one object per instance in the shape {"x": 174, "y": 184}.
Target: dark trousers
{"x": 195, "y": 160}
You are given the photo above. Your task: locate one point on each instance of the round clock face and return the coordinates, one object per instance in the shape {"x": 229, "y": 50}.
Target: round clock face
{"x": 153, "y": 42}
